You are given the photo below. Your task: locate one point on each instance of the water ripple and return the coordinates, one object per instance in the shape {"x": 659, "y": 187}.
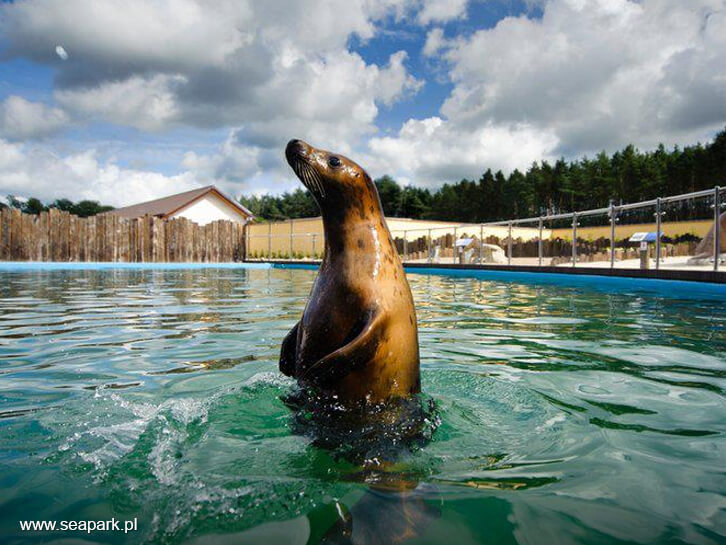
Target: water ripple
{"x": 566, "y": 413}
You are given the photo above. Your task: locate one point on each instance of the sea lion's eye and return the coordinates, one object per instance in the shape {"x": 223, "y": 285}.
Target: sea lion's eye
{"x": 334, "y": 162}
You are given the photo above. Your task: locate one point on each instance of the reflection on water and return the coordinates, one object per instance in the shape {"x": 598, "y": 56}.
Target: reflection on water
{"x": 563, "y": 415}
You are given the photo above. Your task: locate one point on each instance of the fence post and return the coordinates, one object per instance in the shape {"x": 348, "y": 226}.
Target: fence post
{"x": 269, "y": 241}
{"x": 481, "y": 242}
{"x": 428, "y": 247}
{"x": 539, "y": 243}
{"x": 454, "y": 251}
{"x": 405, "y": 245}
{"x": 574, "y": 239}
{"x": 716, "y": 227}
{"x": 509, "y": 245}
{"x": 612, "y": 235}
{"x": 657, "y": 233}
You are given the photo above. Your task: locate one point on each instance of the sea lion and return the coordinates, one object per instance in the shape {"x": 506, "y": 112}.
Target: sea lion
{"x": 357, "y": 338}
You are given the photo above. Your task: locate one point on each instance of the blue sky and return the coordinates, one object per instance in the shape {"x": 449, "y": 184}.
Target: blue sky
{"x": 159, "y": 97}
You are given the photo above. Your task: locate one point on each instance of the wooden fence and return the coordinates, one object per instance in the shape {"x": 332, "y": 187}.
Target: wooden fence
{"x": 60, "y": 236}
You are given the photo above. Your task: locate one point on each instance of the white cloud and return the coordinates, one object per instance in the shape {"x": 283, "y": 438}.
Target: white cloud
{"x": 432, "y": 151}
{"x": 34, "y": 171}
{"x": 442, "y": 10}
{"x": 145, "y": 103}
{"x": 435, "y": 42}
{"x": 589, "y": 75}
{"x": 268, "y": 71}
{"x": 155, "y": 65}
{"x": 600, "y": 73}
{"x": 21, "y": 119}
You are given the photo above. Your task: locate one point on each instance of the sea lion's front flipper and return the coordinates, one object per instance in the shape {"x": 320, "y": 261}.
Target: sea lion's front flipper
{"x": 287, "y": 352}
{"x": 351, "y": 356}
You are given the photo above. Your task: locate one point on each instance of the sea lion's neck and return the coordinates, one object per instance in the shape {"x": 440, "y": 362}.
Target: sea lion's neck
{"x": 355, "y": 233}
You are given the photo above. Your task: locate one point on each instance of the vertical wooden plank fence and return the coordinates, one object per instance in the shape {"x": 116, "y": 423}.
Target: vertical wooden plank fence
{"x": 59, "y": 236}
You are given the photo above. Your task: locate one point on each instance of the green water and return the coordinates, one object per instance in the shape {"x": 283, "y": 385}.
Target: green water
{"x": 562, "y": 415}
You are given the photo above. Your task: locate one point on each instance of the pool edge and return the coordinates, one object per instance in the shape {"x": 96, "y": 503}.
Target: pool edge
{"x": 708, "y": 277}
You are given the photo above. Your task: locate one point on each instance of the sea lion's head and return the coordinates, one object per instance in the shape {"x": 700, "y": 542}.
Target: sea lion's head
{"x": 336, "y": 182}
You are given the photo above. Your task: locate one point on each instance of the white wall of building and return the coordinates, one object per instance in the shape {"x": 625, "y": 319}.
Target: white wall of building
{"x": 208, "y": 209}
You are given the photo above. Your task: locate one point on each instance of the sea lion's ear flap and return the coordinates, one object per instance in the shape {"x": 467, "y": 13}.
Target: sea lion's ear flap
{"x": 352, "y": 356}
{"x": 287, "y": 352}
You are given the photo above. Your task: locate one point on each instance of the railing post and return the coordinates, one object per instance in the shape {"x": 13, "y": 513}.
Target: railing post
{"x": 716, "y": 227}
{"x": 539, "y": 243}
{"x": 612, "y": 235}
{"x": 509, "y": 245}
{"x": 455, "y": 250}
{"x": 269, "y": 241}
{"x": 247, "y": 242}
{"x": 574, "y": 239}
{"x": 481, "y": 242}
{"x": 405, "y": 245}
{"x": 658, "y": 214}
{"x": 428, "y": 247}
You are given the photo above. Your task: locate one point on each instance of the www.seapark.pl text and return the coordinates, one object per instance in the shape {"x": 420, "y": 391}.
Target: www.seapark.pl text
{"x": 88, "y": 526}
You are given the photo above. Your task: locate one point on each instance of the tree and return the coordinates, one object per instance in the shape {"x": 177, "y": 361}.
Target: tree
{"x": 14, "y": 202}
{"x": 414, "y": 203}
{"x": 87, "y": 208}
{"x": 33, "y": 206}
{"x": 65, "y": 205}
{"x": 390, "y": 193}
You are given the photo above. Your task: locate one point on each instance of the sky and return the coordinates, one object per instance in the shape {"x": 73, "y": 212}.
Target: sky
{"x": 124, "y": 101}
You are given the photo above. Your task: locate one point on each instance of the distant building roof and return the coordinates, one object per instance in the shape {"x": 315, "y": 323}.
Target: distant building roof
{"x": 167, "y": 206}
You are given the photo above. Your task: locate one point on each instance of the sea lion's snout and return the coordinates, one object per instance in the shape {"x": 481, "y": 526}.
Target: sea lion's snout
{"x": 300, "y": 156}
{"x": 294, "y": 150}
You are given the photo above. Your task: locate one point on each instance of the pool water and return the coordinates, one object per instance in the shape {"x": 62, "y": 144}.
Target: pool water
{"x": 561, "y": 414}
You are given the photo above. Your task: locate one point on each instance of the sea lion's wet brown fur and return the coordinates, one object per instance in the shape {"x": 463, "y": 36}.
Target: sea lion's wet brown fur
{"x": 357, "y": 338}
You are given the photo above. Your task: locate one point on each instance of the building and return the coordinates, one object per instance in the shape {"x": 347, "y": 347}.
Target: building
{"x": 202, "y": 206}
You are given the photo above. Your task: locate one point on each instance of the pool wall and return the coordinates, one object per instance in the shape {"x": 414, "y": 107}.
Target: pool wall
{"x": 711, "y": 277}
{"x": 611, "y": 283}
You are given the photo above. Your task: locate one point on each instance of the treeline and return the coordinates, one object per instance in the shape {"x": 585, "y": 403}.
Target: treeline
{"x": 628, "y": 175}
{"x": 33, "y": 205}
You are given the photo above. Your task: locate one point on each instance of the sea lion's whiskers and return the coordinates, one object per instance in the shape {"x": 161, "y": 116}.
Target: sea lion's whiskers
{"x": 309, "y": 177}
{"x": 318, "y": 180}
{"x": 322, "y": 187}
{"x": 313, "y": 178}
{"x": 301, "y": 173}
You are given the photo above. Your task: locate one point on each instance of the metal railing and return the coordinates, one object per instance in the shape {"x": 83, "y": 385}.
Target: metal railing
{"x": 597, "y": 237}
